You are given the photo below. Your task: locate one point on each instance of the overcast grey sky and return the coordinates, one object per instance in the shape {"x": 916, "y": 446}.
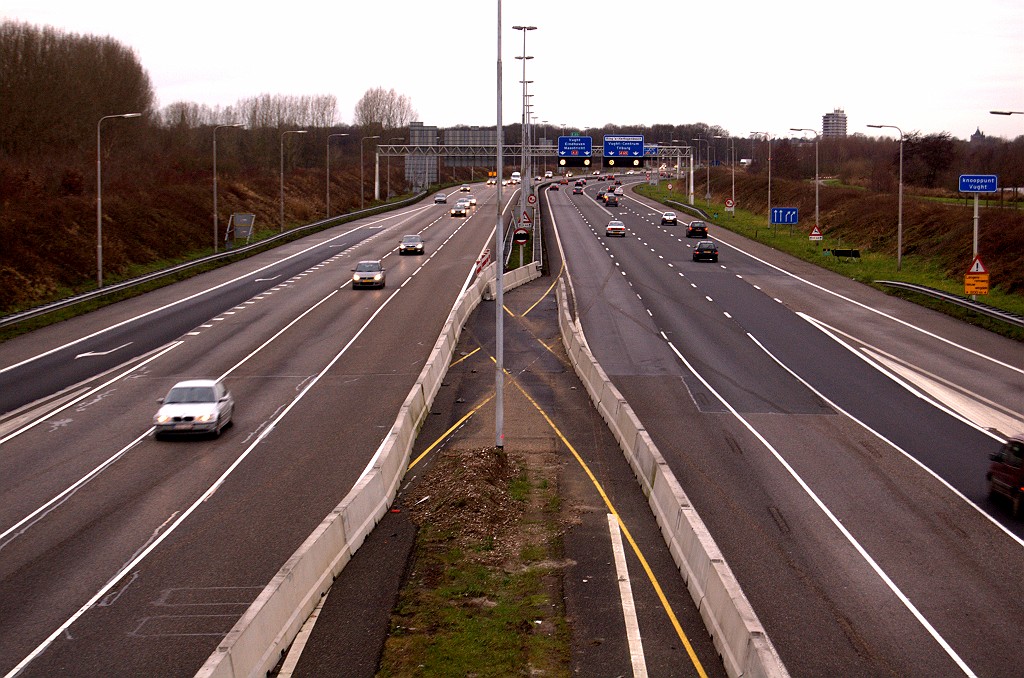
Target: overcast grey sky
{"x": 745, "y": 65}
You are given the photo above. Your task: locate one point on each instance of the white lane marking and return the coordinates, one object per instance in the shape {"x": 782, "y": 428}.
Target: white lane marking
{"x": 828, "y": 514}
{"x": 888, "y": 442}
{"x": 99, "y": 595}
{"x": 636, "y": 646}
{"x": 196, "y": 295}
{"x": 20, "y": 527}
{"x": 877, "y": 312}
{"x": 91, "y": 354}
{"x": 86, "y": 394}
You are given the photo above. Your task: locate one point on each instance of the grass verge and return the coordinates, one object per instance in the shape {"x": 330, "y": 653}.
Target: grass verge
{"x": 483, "y": 597}
{"x": 871, "y": 267}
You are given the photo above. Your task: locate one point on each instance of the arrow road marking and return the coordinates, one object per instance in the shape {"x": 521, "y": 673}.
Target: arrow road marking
{"x": 90, "y": 354}
{"x": 266, "y": 279}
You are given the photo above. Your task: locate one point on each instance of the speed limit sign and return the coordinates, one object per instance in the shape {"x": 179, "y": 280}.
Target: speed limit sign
{"x": 531, "y": 198}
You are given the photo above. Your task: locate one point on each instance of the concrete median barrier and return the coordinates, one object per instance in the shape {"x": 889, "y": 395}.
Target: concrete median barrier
{"x": 736, "y": 631}
{"x": 254, "y": 645}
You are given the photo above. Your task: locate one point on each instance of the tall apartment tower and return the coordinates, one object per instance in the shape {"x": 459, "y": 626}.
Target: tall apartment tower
{"x": 834, "y": 124}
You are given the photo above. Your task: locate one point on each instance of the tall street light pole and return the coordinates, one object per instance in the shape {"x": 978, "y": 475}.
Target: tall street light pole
{"x": 817, "y": 137}
{"x": 288, "y": 131}
{"x": 362, "y": 188}
{"x": 732, "y": 163}
{"x": 707, "y": 196}
{"x": 899, "y": 221}
{"x": 525, "y": 172}
{"x": 99, "y": 195}
{"x": 768, "y": 137}
{"x": 215, "y": 224}
{"x": 328, "y": 198}
{"x": 499, "y": 283}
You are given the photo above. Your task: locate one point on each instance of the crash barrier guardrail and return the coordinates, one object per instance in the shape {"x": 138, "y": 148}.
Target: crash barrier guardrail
{"x": 256, "y": 642}
{"x": 156, "y": 275}
{"x": 976, "y": 306}
{"x": 734, "y": 627}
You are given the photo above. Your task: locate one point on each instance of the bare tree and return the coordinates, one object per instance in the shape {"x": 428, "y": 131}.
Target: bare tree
{"x": 385, "y": 108}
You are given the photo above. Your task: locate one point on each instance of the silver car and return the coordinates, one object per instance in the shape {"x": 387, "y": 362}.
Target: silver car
{"x": 194, "y": 406}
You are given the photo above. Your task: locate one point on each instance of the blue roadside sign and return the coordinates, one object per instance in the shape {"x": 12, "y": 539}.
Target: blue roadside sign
{"x": 979, "y": 183}
{"x": 785, "y": 215}
{"x": 623, "y": 146}
{"x": 574, "y": 146}
{"x": 651, "y": 150}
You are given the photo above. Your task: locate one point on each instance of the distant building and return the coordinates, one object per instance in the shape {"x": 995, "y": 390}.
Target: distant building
{"x": 834, "y": 124}
{"x": 421, "y": 170}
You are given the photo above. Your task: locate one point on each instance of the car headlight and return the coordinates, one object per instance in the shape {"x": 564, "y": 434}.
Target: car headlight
{"x": 161, "y": 418}
{"x": 206, "y": 417}
{"x": 378, "y": 276}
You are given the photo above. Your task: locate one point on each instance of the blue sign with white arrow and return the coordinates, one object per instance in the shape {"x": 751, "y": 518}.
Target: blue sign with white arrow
{"x": 571, "y": 147}
{"x": 622, "y": 146}
{"x": 785, "y": 215}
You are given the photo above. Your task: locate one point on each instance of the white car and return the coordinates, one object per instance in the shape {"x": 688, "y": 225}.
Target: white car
{"x": 615, "y": 228}
{"x": 440, "y": 199}
{"x": 464, "y": 188}
{"x": 194, "y": 406}
{"x": 549, "y": 174}
{"x": 472, "y": 200}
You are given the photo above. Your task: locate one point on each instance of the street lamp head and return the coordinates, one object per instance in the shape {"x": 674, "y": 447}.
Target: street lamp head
{"x": 1007, "y": 112}
{"x": 524, "y": 28}
{"x": 131, "y": 115}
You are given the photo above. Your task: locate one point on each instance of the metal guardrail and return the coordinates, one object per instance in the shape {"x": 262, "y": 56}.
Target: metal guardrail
{"x": 976, "y": 306}
{"x": 156, "y": 275}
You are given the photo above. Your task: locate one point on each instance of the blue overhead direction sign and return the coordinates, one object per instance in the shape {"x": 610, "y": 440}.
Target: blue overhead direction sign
{"x": 785, "y": 215}
{"x": 651, "y": 150}
{"x": 574, "y": 146}
{"x": 623, "y": 145}
{"x": 979, "y": 183}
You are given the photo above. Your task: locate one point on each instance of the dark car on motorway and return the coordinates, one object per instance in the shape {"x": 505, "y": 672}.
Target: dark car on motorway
{"x": 368, "y": 274}
{"x": 194, "y": 406}
{"x": 705, "y": 250}
{"x": 600, "y": 194}
{"x": 1006, "y": 474}
{"x": 696, "y": 229}
{"x": 411, "y": 244}
{"x": 611, "y": 200}
{"x": 577, "y": 190}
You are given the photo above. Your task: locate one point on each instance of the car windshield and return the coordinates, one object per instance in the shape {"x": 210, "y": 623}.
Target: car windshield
{"x": 616, "y": 224}
{"x": 411, "y": 240}
{"x": 367, "y": 267}
{"x": 190, "y": 394}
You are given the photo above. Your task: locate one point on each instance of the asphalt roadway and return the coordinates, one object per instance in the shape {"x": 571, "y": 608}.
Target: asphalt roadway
{"x": 351, "y": 628}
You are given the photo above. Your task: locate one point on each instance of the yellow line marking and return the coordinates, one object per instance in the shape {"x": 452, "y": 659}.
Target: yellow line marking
{"x": 464, "y": 357}
{"x": 600, "y": 490}
{"x": 447, "y": 433}
{"x": 545, "y": 295}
